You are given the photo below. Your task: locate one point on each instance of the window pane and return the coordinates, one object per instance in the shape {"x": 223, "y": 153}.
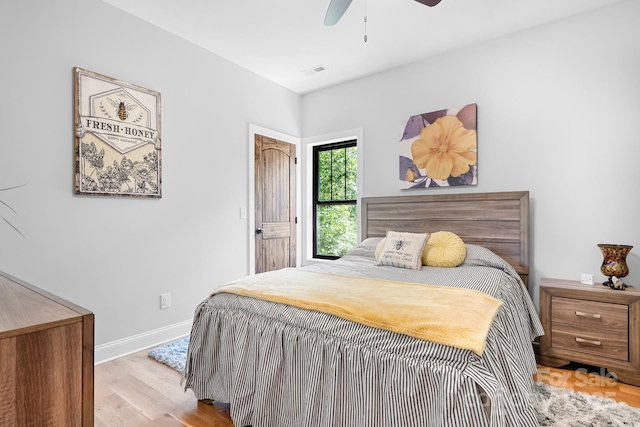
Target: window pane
{"x": 335, "y": 181}
{"x": 338, "y": 174}
{"x": 324, "y": 175}
{"x": 337, "y": 229}
{"x": 352, "y": 173}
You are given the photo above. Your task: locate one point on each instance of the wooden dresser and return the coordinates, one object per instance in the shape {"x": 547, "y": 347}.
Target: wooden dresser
{"x": 591, "y": 324}
{"x": 46, "y": 358}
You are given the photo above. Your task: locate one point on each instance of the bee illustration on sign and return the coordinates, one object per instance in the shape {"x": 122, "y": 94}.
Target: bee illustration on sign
{"x": 121, "y": 108}
{"x": 400, "y": 244}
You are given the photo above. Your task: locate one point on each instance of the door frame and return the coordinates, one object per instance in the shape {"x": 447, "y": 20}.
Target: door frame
{"x": 259, "y": 130}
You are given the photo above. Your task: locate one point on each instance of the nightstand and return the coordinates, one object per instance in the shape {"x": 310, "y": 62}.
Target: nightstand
{"x": 591, "y": 324}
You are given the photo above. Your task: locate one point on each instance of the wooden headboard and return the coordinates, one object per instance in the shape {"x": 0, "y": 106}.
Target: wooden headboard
{"x": 498, "y": 221}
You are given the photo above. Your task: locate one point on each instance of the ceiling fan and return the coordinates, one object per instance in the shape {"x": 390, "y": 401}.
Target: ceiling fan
{"x": 337, "y": 8}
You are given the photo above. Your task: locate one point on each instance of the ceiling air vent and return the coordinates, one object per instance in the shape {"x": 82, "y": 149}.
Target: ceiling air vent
{"x": 314, "y": 70}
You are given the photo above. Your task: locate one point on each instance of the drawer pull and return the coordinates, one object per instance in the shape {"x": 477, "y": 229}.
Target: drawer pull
{"x": 582, "y": 340}
{"x": 582, "y": 314}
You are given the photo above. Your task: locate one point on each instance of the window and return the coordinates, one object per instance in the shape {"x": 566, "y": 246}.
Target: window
{"x": 335, "y": 193}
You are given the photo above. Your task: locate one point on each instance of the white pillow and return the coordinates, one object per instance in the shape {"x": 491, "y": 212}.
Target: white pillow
{"x": 370, "y": 243}
{"x": 403, "y": 249}
{"x": 380, "y": 248}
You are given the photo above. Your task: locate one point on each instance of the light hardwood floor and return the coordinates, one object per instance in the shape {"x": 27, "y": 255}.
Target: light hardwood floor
{"x": 137, "y": 391}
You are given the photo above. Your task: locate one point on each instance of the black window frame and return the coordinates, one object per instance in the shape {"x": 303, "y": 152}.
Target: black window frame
{"x": 316, "y": 182}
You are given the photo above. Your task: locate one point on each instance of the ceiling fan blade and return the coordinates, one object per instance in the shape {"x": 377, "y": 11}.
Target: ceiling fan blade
{"x": 429, "y": 2}
{"x": 336, "y": 9}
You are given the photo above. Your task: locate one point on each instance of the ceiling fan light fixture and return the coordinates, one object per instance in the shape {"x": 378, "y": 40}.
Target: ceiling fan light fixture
{"x": 336, "y": 9}
{"x": 429, "y": 3}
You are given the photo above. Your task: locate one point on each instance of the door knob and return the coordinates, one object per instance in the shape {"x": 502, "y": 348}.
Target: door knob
{"x": 259, "y": 230}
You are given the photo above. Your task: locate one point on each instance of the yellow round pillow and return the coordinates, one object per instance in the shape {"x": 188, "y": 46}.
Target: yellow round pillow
{"x": 444, "y": 249}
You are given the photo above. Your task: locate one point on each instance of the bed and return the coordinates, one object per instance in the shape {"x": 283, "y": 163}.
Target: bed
{"x": 278, "y": 364}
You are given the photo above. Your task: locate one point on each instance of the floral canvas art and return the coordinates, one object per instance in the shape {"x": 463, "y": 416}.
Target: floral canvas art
{"x": 440, "y": 149}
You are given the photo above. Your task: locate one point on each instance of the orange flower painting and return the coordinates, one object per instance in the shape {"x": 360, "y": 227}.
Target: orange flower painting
{"x": 440, "y": 149}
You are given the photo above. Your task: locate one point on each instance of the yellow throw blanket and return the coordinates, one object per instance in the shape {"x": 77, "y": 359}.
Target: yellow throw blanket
{"x": 450, "y": 316}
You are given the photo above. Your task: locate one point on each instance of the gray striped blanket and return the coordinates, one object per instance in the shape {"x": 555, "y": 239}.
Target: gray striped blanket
{"x": 278, "y": 365}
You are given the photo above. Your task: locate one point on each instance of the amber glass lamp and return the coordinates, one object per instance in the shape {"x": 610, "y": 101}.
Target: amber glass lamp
{"x": 614, "y": 263}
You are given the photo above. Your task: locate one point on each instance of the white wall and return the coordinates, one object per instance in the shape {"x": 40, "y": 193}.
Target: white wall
{"x": 558, "y": 110}
{"x": 554, "y": 103}
{"x": 115, "y": 255}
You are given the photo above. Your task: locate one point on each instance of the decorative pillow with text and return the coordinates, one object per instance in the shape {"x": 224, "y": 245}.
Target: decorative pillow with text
{"x": 403, "y": 249}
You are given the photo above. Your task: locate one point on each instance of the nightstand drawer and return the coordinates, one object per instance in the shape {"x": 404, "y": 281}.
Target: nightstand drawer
{"x": 600, "y": 342}
{"x": 590, "y": 314}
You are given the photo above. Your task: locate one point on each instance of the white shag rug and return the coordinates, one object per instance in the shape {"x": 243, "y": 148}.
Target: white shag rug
{"x": 174, "y": 354}
{"x": 558, "y": 406}
{"x": 555, "y": 406}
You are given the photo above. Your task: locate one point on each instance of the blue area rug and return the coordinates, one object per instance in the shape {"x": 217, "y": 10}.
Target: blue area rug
{"x": 174, "y": 354}
{"x": 555, "y": 406}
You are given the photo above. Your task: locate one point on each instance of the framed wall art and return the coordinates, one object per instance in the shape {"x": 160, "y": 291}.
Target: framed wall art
{"x": 440, "y": 149}
{"x": 117, "y": 137}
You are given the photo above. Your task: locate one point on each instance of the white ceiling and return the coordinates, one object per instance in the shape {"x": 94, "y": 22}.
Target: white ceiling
{"x": 280, "y": 39}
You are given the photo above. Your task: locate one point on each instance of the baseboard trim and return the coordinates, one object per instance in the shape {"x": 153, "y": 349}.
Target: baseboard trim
{"x": 123, "y": 347}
